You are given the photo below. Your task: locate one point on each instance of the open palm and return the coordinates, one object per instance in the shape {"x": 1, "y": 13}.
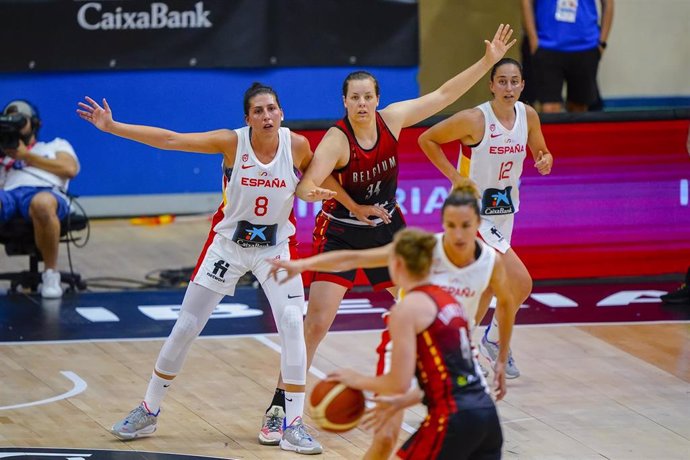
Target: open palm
{"x": 501, "y": 43}
{"x": 91, "y": 111}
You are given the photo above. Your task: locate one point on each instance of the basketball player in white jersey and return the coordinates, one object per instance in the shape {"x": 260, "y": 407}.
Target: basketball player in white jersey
{"x": 498, "y": 133}
{"x": 462, "y": 265}
{"x": 254, "y": 223}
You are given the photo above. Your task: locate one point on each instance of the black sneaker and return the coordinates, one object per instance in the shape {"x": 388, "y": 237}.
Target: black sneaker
{"x": 680, "y": 296}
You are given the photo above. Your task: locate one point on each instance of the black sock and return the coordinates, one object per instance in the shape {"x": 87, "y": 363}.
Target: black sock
{"x": 278, "y": 399}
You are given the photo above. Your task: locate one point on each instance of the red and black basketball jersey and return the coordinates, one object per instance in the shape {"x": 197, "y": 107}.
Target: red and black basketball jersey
{"x": 447, "y": 369}
{"x": 371, "y": 175}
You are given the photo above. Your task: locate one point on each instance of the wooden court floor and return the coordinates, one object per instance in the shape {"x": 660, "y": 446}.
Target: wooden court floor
{"x": 586, "y": 392}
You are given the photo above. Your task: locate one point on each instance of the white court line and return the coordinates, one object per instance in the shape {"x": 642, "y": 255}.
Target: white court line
{"x": 79, "y": 387}
{"x": 358, "y": 331}
{"x": 518, "y": 420}
{"x": 316, "y": 372}
{"x": 683, "y": 192}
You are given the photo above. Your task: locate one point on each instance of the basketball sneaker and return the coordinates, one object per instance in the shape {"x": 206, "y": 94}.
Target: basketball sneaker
{"x": 272, "y": 427}
{"x": 490, "y": 352}
{"x": 139, "y": 422}
{"x": 680, "y": 295}
{"x": 296, "y": 438}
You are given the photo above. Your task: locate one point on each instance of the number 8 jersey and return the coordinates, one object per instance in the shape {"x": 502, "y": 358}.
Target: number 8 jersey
{"x": 257, "y": 198}
{"x": 496, "y": 161}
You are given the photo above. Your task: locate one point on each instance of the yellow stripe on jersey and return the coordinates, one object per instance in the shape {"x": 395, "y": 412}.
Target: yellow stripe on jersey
{"x": 464, "y": 165}
{"x": 225, "y": 192}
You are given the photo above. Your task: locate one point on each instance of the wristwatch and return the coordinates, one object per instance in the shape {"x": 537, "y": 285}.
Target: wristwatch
{"x": 602, "y": 44}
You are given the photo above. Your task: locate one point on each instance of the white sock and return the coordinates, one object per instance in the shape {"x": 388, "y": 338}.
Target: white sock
{"x": 492, "y": 331}
{"x": 294, "y": 406}
{"x": 156, "y": 391}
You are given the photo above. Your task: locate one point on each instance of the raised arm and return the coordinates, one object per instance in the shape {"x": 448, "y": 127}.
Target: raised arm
{"x": 543, "y": 160}
{"x": 302, "y": 157}
{"x": 467, "y": 126}
{"x": 219, "y": 141}
{"x": 407, "y": 113}
{"x": 331, "y": 153}
{"x": 333, "y": 261}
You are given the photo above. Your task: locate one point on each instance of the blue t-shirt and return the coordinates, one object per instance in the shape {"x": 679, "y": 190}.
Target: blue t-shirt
{"x": 567, "y": 25}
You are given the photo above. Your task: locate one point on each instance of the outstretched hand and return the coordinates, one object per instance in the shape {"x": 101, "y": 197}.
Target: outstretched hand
{"x": 501, "y": 43}
{"x": 100, "y": 117}
{"x": 319, "y": 194}
{"x": 291, "y": 268}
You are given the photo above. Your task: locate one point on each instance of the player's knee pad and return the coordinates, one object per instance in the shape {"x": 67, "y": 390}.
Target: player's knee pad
{"x": 175, "y": 348}
{"x": 293, "y": 359}
{"x": 187, "y": 327}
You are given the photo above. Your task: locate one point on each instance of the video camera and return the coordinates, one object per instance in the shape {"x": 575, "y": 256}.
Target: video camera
{"x": 10, "y": 128}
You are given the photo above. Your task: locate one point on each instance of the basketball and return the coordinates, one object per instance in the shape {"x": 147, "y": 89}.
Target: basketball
{"x": 336, "y": 407}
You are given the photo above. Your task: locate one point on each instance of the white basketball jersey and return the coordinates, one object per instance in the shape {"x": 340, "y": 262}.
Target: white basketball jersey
{"x": 496, "y": 162}
{"x": 466, "y": 284}
{"x": 257, "y": 197}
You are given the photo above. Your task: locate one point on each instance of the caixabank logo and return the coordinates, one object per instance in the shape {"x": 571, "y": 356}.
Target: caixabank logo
{"x": 92, "y": 454}
{"x": 109, "y": 16}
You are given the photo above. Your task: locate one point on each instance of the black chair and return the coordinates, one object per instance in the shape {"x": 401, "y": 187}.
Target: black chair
{"x": 17, "y": 235}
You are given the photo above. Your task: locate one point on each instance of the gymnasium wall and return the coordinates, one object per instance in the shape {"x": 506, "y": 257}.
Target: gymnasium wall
{"x": 646, "y": 63}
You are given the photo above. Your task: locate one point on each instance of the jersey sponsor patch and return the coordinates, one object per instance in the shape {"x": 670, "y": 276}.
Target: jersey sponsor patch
{"x": 250, "y": 235}
{"x": 497, "y": 201}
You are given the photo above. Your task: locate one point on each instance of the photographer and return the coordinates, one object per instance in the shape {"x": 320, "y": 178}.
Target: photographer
{"x": 36, "y": 179}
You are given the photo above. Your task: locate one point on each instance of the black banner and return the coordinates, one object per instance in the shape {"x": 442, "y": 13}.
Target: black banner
{"x": 139, "y": 34}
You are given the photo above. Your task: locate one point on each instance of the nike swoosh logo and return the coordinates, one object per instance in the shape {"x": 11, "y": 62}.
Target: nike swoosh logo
{"x": 293, "y": 296}
{"x": 288, "y": 399}
{"x": 496, "y": 135}
{"x": 247, "y": 166}
{"x": 166, "y": 386}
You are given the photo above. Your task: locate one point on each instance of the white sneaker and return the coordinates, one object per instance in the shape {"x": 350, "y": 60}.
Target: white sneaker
{"x": 50, "y": 286}
{"x": 490, "y": 351}
{"x": 296, "y": 438}
{"x": 139, "y": 422}
{"x": 272, "y": 427}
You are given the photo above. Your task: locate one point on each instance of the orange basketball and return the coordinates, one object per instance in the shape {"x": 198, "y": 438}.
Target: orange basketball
{"x": 335, "y": 407}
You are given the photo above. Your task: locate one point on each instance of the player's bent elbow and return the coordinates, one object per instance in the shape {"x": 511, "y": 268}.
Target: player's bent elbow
{"x": 70, "y": 172}
{"x": 399, "y": 386}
